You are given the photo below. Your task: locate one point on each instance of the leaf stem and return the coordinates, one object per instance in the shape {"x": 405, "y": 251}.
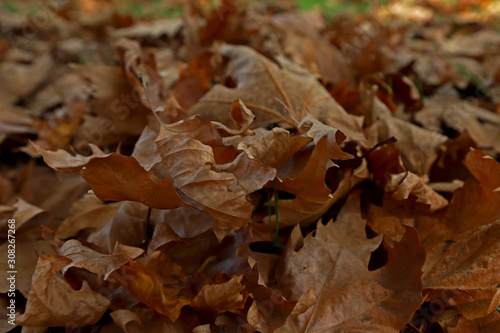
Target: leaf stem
{"x": 276, "y": 212}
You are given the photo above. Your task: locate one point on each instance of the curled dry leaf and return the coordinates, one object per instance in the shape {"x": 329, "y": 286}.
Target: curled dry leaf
{"x": 241, "y": 116}
{"x": 193, "y": 169}
{"x": 325, "y": 263}
{"x": 226, "y": 296}
{"x": 127, "y": 320}
{"x": 45, "y": 305}
{"x": 317, "y": 130}
{"x": 117, "y": 177}
{"x": 406, "y": 183}
{"x": 63, "y": 161}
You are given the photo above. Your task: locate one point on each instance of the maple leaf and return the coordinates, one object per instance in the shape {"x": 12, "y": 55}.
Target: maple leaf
{"x": 325, "y": 263}
{"x": 273, "y": 94}
{"x": 93, "y": 261}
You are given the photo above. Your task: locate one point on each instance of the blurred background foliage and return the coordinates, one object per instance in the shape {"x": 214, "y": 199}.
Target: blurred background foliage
{"x": 479, "y": 9}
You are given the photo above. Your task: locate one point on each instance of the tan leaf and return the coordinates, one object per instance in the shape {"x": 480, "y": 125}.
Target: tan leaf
{"x": 63, "y": 161}
{"x": 275, "y": 147}
{"x": 418, "y": 146}
{"x": 45, "y": 305}
{"x": 226, "y": 296}
{"x": 241, "y": 116}
{"x": 87, "y": 212}
{"x": 326, "y": 262}
{"x": 101, "y": 264}
{"x": 466, "y": 270}
{"x": 317, "y": 130}
{"x": 273, "y": 94}
{"x": 406, "y": 183}
{"x": 193, "y": 169}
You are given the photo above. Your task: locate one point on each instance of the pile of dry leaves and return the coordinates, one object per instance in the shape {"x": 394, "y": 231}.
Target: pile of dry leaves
{"x": 249, "y": 168}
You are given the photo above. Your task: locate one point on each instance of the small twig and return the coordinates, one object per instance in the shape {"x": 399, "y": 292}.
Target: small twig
{"x": 381, "y": 143}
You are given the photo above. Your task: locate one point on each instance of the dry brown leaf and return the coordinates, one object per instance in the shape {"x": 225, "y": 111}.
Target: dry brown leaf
{"x": 117, "y": 177}
{"x": 304, "y": 44}
{"x": 46, "y": 308}
{"x": 477, "y": 202}
{"x": 19, "y": 80}
{"x": 193, "y": 169}
{"x": 162, "y": 235}
{"x": 317, "y": 130}
{"x": 242, "y": 118}
{"x": 93, "y": 261}
{"x": 487, "y": 324}
{"x": 273, "y": 94}
{"x": 312, "y": 197}
{"x": 326, "y": 262}
{"x": 194, "y": 81}
{"x": 157, "y": 282}
{"x": 418, "y": 146}
{"x": 63, "y": 161}
{"x": 126, "y": 227}
{"x": 275, "y": 147}
{"x": 466, "y": 270}
{"x": 227, "y": 296}
{"x": 87, "y": 213}
{"x": 406, "y": 183}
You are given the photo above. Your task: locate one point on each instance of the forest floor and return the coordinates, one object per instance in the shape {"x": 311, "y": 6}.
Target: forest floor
{"x": 250, "y": 166}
